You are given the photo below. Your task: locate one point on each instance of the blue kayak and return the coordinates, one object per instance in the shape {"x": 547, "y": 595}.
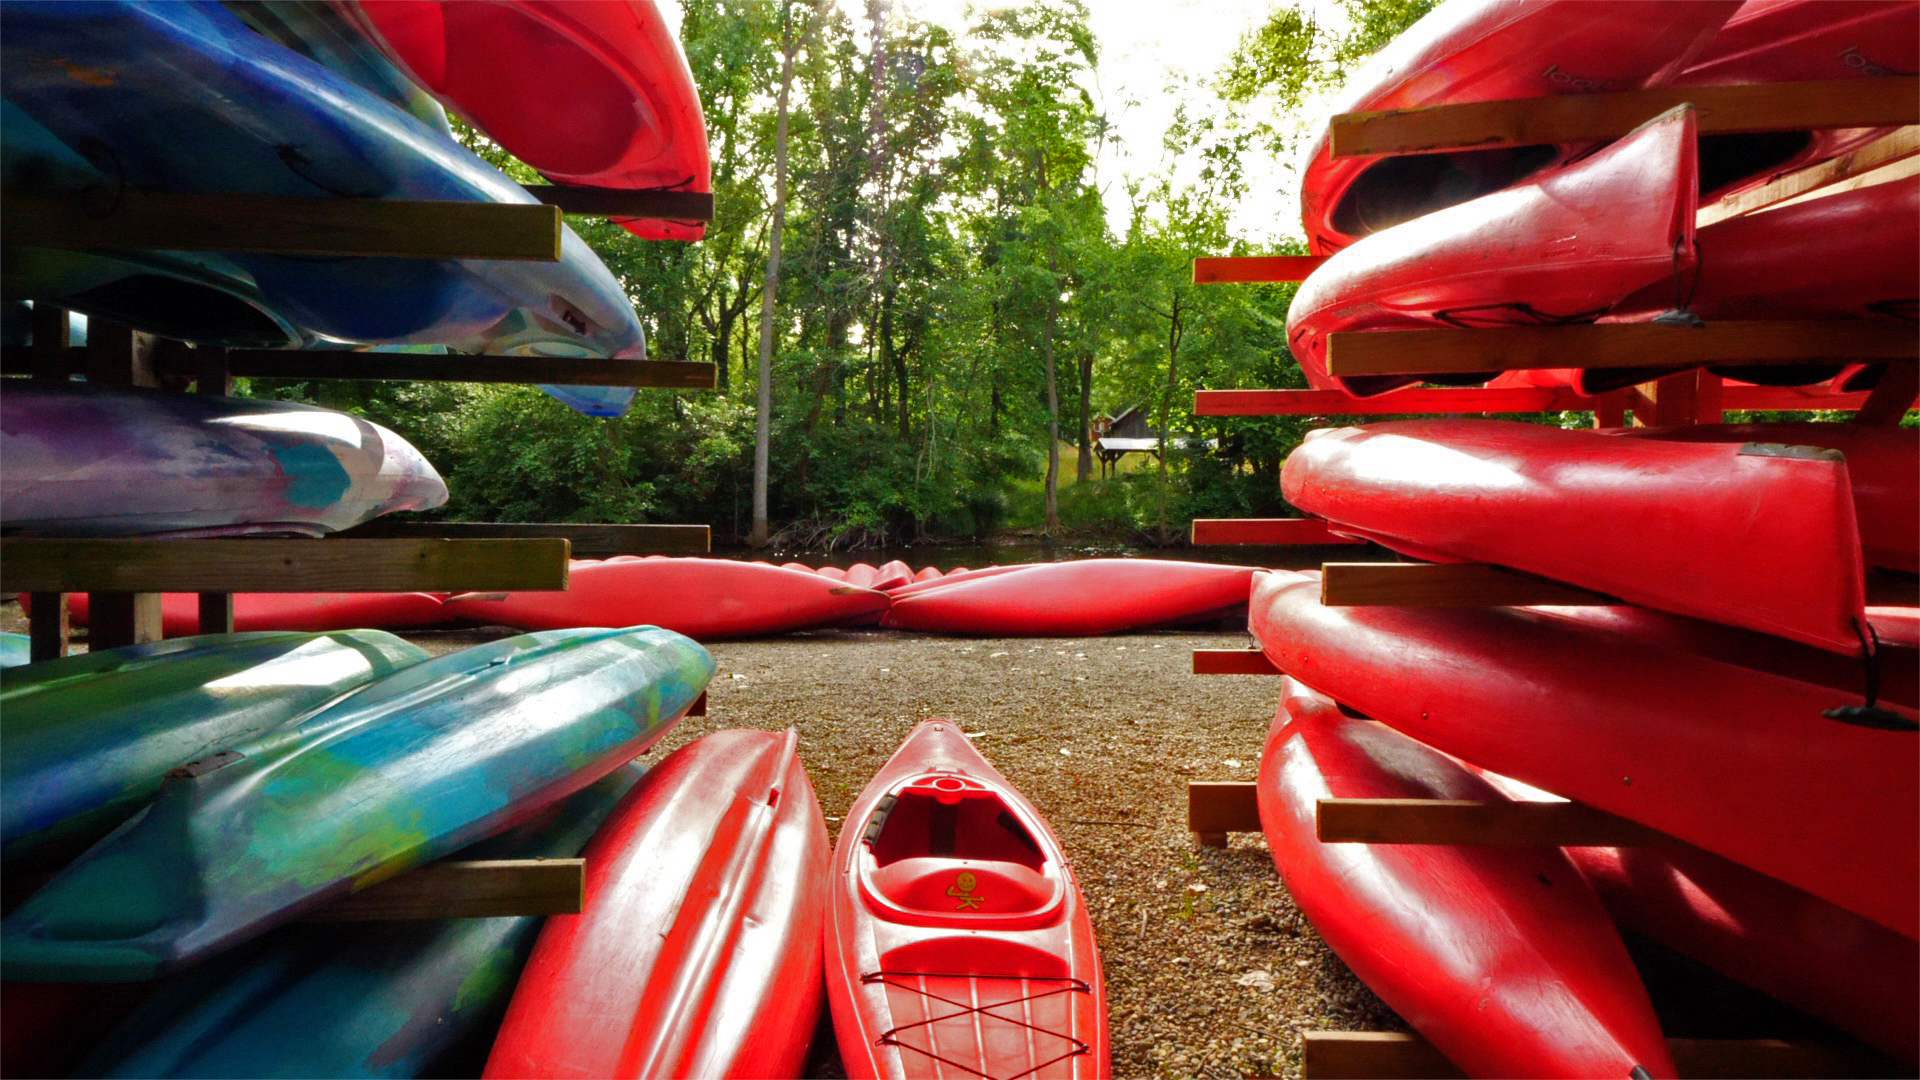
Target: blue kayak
{"x": 353, "y": 1000}
{"x": 409, "y": 768}
{"x": 85, "y": 741}
{"x": 184, "y": 97}
{"x": 15, "y": 650}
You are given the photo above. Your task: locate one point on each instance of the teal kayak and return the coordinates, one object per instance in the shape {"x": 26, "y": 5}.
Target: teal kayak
{"x": 85, "y": 741}
{"x": 15, "y": 649}
{"x": 372, "y": 999}
{"x": 410, "y": 768}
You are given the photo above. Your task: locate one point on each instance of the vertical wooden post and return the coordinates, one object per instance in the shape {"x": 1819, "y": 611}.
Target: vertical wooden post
{"x": 47, "y": 625}
{"x": 1675, "y": 399}
{"x": 1610, "y": 410}
{"x": 1709, "y": 400}
{"x": 212, "y": 375}
{"x": 118, "y": 356}
{"x": 1890, "y": 400}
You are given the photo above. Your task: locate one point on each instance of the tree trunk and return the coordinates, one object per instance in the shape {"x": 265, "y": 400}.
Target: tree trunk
{"x": 1084, "y": 470}
{"x": 763, "y": 398}
{"x": 1166, "y": 407}
{"x": 722, "y": 341}
{"x": 1053, "y": 412}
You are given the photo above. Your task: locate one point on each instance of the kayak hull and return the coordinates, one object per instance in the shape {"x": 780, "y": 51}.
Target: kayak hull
{"x": 955, "y": 930}
{"x": 1731, "y": 533}
{"x": 1071, "y": 599}
{"x": 414, "y": 766}
{"x": 1524, "y": 938}
{"x": 699, "y": 942}
{"x": 1740, "y": 762}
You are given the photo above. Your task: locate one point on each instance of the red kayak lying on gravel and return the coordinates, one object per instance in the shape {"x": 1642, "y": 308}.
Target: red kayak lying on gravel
{"x": 705, "y": 599}
{"x": 1562, "y": 248}
{"x": 957, "y": 940}
{"x": 1487, "y": 50}
{"x": 698, "y": 949}
{"x": 1753, "y": 535}
{"x": 1800, "y": 781}
{"x": 590, "y": 92}
{"x": 1472, "y": 945}
{"x": 1851, "y": 972}
{"x": 1071, "y": 599}
{"x": 1883, "y": 464}
{"x": 180, "y": 612}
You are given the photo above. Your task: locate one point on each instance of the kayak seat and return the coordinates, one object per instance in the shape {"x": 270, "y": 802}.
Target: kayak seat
{"x": 961, "y": 886}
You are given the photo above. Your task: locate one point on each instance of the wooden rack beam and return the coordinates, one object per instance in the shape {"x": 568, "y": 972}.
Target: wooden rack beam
{"x": 281, "y": 225}
{"x": 657, "y": 205}
{"x": 1216, "y": 809}
{"x": 1616, "y": 345}
{"x": 1265, "y": 531}
{"x": 588, "y": 541}
{"x": 1232, "y": 662}
{"x": 1254, "y": 269}
{"x": 1431, "y": 399}
{"x": 1829, "y": 175}
{"x": 415, "y": 367}
{"x": 1381, "y": 1055}
{"x": 268, "y": 565}
{"x": 1466, "y": 821}
{"x": 1444, "y": 585}
{"x": 1889, "y": 401}
{"x": 1572, "y": 118}
{"x": 472, "y": 889}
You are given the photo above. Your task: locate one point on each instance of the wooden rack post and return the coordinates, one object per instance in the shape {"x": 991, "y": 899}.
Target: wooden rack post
{"x": 1382, "y": 1055}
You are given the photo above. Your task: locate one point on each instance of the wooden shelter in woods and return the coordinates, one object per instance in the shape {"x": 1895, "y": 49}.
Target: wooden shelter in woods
{"x": 1124, "y": 433}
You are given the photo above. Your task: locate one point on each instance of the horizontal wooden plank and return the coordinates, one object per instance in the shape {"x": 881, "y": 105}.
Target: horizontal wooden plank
{"x": 1443, "y": 585}
{"x": 546, "y": 370}
{"x": 1232, "y": 662}
{"x": 412, "y": 367}
{"x": 1616, "y": 345}
{"x": 1434, "y": 399}
{"x": 1222, "y": 807}
{"x": 1254, "y": 269}
{"x": 626, "y": 203}
{"x": 472, "y": 889}
{"x": 282, "y": 225}
{"x": 259, "y": 564}
{"x": 1382, "y": 1055}
{"x": 1418, "y": 399}
{"x": 1265, "y": 531}
{"x": 588, "y": 541}
{"x": 1784, "y": 106}
{"x": 1895, "y": 146}
{"x": 1466, "y": 821}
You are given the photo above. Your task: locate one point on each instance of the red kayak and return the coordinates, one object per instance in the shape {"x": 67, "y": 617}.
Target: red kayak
{"x": 1487, "y": 50}
{"x": 706, "y": 599}
{"x": 1764, "y": 539}
{"x": 958, "y": 944}
{"x": 1853, "y": 255}
{"x": 1471, "y": 945}
{"x": 1883, "y": 464}
{"x": 1795, "y": 41}
{"x": 698, "y": 949}
{"x": 590, "y": 92}
{"x": 891, "y": 575}
{"x": 1071, "y": 599}
{"x": 1743, "y": 763}
{"x": 316, "y": 612}
{"x": 1562, "y": 248}
{"x": 926, "y": 573}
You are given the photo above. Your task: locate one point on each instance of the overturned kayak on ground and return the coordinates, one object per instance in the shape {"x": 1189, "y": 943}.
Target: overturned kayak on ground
{"x": 705, "y": 599}
{"x": 1072, "y": 599}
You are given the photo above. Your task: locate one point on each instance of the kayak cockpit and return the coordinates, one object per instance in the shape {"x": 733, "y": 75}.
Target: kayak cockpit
{"x": 945, "y": 849}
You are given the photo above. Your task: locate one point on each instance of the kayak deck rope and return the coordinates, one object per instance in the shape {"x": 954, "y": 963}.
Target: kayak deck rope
{"x": 889, "y": 1037}
{"x": 1870, "y": 715}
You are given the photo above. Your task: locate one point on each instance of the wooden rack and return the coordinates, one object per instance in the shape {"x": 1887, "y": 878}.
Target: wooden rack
{"x": 1383, "y": 1055}
{"x": 126, "y": 577}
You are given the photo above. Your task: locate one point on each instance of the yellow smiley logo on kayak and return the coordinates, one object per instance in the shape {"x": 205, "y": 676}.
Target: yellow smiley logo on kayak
{"x": 962, "y": 889}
